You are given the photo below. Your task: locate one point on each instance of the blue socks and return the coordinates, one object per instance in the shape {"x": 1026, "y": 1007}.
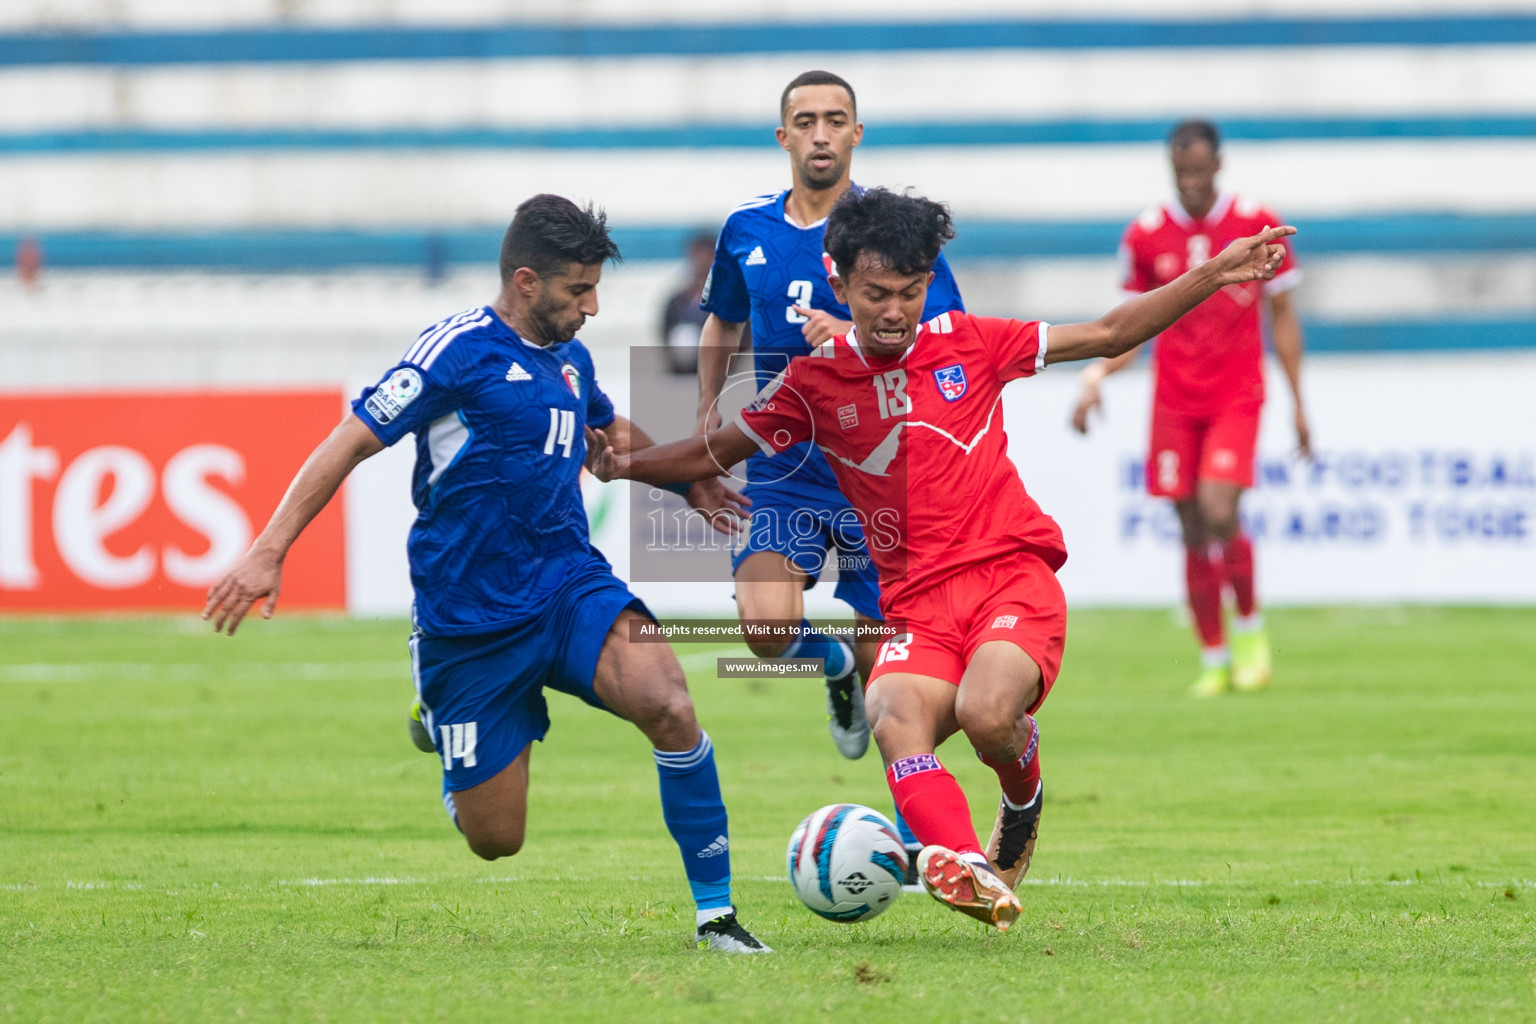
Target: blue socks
{"x": 695, "y": 815}
{"x": 905, "y": 831}
{"x": 837, "y": 655}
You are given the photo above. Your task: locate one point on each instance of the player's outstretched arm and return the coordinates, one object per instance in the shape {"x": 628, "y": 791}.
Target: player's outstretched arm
{"x": 697, "y": 458}
{"x": 258, "y": 573}
{"x": 724, "y": 507}
{"x": 718, "y": 342}
{"x": 1255, "y": 258}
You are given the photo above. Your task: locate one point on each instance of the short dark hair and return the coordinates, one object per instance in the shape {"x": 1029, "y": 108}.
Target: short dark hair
{"x": 1187, "y": 133}
{"x": 902, "y": 231}
{"x": 816, "y": 78}
{"x": 548, "y": 232}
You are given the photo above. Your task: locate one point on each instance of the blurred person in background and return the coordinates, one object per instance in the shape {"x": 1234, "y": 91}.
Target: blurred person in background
{"x": 1205, "y": 413}
{"x": 682, "y": 321}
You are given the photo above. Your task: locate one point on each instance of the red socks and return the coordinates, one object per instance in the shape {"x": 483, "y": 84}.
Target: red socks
{"x": 932, "y": 802}
{"x": 1019, "y": 778}
{"x": 1205, "y": 574}
{"x": 1237, "y": 559}
{"x": 1203, "y": 579}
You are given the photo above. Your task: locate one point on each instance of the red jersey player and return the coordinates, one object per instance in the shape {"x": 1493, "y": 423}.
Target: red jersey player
{"x": 910, "y": 418}
{"x": 1205, "y": 412}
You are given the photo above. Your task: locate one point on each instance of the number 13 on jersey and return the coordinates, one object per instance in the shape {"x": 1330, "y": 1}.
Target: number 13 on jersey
{"x": 891, "y": 393}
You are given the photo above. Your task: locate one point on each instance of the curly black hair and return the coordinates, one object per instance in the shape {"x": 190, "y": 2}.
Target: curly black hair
{"x": 901, "y": 231}
{"x": 549, "y": 232}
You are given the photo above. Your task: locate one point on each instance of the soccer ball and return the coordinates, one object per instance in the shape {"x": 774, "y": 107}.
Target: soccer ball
{"x": 846, "y": 862}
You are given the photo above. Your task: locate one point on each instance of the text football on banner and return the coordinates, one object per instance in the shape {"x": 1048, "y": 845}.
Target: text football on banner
{"x": 140, "y": 500}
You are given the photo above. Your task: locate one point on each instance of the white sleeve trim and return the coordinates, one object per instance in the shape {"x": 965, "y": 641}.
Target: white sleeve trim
{"x": 1283, "y": 281}
{"x": 766, "y": 448}
{"x": 1040, "y": 353}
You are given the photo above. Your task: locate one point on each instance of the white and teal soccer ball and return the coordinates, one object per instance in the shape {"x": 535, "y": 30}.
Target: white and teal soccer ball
{"x": 846, "y": 862}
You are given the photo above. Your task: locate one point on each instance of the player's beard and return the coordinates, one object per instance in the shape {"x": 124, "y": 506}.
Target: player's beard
{"x": 545, "y": 321}
{"x": 820, "y": 180}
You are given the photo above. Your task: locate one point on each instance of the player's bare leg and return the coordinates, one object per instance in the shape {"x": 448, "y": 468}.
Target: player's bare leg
{"x": 1219, "y": 500}
{"x": 644, "y": 684}
{"x": 911, "y": 715}
{"x": 494, "y": 815}
{"x": 1000, "y": 685}
{"x": 771, "y": 588}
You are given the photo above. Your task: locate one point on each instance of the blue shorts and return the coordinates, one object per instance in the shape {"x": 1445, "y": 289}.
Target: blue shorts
{"x": 482, "y": 697}
{"x": 807, "y": 527}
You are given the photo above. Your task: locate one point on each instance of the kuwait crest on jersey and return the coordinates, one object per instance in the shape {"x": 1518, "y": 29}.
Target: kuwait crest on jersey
{"x": 951, "y": 381}
{"x": 572, "y": 378}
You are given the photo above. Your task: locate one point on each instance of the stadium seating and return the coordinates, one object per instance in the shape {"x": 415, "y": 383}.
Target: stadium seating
{"x": 332, "y": 175}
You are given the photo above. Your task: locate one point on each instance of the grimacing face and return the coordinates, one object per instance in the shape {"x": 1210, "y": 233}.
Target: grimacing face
{"x": 564, "y": 301}
{"x": 1194, "y": 174}
{"x": 887, "y": 305}
{"x": 819, "y": 133}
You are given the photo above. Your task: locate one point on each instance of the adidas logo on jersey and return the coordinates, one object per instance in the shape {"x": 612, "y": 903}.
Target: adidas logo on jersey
{"x": 515, "y": 372}
{"x": 716, "y": 848}
{"x": 756, "y": 258}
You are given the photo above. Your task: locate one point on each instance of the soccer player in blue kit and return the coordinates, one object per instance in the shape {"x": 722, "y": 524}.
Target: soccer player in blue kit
{"x": 511, "y": 597}
{"x": 770, "y": 267}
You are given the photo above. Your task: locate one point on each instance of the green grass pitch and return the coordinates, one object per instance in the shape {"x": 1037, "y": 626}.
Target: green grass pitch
{"x": 197, "y": 828}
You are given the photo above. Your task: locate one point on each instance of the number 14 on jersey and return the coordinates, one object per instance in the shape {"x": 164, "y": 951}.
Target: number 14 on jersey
{"x": 562, "y": 432}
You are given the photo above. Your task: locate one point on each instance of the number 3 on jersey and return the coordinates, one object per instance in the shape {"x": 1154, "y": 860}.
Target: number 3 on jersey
{"x": 799, "y": 295}
{"x": 562, "y": 432}
{"x": 891, "y": 393}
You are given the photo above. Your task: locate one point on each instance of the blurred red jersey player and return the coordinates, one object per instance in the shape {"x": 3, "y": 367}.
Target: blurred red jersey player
{"x": 1205, "y": 412}
{"x": 909, "y": 414}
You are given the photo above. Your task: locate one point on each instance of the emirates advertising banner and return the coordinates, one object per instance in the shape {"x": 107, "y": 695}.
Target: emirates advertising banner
{"x": 140, "y": 500}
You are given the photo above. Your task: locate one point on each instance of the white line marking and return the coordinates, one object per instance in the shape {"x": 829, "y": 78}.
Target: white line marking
{"x": 182, "y": 672}
{"x": 354, "y": 881}
{"x": 1084, "y": 883}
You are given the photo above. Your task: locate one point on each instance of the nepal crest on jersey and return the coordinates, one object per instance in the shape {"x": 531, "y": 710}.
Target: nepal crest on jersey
{"x": 572, "y": 378}
{"x": 951, "y": 381}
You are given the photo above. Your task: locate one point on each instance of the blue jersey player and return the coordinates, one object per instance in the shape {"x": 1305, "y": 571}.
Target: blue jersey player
{"x": 511, "y": 597}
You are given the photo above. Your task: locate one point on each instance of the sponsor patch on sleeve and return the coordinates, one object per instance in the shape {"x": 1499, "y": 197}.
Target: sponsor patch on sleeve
{"x": 764, "y": 398}
{"x": 397, "y": 391}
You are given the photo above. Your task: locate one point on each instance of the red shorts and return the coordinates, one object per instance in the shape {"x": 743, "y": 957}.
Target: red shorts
{"x": 1014, "y": 598}
{"x": 1186, "y": 449}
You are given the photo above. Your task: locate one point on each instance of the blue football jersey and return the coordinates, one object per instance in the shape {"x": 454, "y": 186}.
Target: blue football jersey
{"x": 500, "y": 445}
{"x": 765, "y": 265}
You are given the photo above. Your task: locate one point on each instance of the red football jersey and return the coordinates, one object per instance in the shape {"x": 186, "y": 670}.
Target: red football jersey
{"x": 917, "y": 444}
{"x": 1213, "y": 357}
